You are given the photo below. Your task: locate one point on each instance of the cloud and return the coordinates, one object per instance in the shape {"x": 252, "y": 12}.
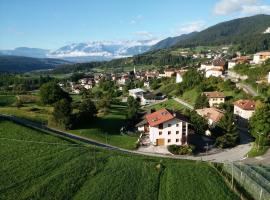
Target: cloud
{"x": 189, "y": 27}
{"x": 242, "y": 7}
{"x": 144, "y": 34}
{"x": 137, "y": 19}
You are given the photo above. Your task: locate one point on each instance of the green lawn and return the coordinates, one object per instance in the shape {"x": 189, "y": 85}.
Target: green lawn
{"x": 190, "y": 96}
{"x": 31, "y": 112}
{"x": 170, "y": 104}
{"x": 106, "y": 129}
{"x": 7, "y": 100}
{"x": 35, "y": 165}
{"x": 255, "y": 151}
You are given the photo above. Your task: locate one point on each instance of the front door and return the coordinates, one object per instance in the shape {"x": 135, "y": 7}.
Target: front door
{"x": 160, "y": 142}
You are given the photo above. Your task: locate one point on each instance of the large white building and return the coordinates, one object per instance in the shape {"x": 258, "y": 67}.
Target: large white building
{"x": 244, "y": 109}
{"x": 260, "y": 57}
{"x": 165, "y": 127}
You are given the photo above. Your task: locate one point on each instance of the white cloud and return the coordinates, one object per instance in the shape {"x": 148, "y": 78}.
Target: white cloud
{"x": 243, "y": 7}
{"x": 144, "y": 34}
{"x": 189, "y": 27}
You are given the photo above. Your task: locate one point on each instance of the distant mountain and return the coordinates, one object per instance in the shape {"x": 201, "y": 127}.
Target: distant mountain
{"x": 25, "y": 51}
{"x": 25, "y": 64}
{"x": 102, "y": 50}
{"x": 249, "y": 34}
{"x": 171, "y": 41}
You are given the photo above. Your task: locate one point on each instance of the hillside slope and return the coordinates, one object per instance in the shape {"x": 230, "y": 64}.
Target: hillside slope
{"x": 25, "y": 64}
{"x": 246, "y": 34}
{"x": 35, "y": 165}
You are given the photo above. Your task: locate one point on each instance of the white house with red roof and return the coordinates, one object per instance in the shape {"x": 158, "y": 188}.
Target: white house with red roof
{"x": 212, "y": 115}
{"x": 260, "y": 57}
{"x": 165, "y": 128}
{"x": 244, "y": 109}
{"x": 215, "y": 98}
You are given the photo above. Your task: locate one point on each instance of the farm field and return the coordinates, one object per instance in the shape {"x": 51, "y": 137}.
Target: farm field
{"x": 36, "y": 165}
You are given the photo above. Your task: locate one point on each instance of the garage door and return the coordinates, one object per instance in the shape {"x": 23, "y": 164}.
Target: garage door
{"x": 160, "y": 142}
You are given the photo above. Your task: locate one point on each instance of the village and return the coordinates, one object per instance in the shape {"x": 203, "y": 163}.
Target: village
{"x": 167, "y": 126}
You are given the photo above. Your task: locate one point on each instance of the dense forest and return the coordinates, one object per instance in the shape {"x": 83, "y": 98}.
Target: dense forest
{"x": 244, "y": 34}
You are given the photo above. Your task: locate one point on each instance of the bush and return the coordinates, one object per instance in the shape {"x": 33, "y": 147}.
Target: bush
{"x": 181, "y": 150}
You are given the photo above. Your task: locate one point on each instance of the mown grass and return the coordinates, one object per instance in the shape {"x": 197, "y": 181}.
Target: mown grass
{"x": 30, "y": 112}
{"x": 170, "y": 104}
{"x": 106, "y": 129}
{"x": 190, "y": 96}
{"x": 40, "y": 166}
{"x": 255, "y": 151}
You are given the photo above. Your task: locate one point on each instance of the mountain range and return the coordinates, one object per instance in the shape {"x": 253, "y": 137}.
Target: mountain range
{"x": 88, "y": 51}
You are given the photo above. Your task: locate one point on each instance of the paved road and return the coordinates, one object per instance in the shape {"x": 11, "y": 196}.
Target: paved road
{"x": 247, "y": 89}
{"x": 183, "y": 103}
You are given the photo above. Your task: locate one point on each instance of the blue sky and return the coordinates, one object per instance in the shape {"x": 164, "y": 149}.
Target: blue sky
{"x": 51, "y": 24}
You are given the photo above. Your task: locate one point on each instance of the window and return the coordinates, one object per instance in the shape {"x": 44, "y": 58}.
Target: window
{"x": 177, "y": 125}
{"x": 160, "y": 126}
{"x": 177, "y": 140}
{"x": 169, "y": 140}
{"x": 169, "y": 132}
{"x": 169, "y": 125}
{"x": 184, "y": 128}
{"x": 160, "y": 132}
{"x": 184, "y": 133}
{"x": 177, "y": 132}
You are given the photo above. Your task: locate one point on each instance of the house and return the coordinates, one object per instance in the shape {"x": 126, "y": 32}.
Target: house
{"x": 216, "y": 72}
{"x": 212, "y": 115}
{"x": 165, "y": 127}
{"x": 238, "y": 60}
{"x": 123, "y": 80}
{"x": 214, "y": 68}
{"x": 244, "y": 109}
{"x": 260, "y": 57}
{"x": 215, "y": 98}
{"x": 136, "y": 93}
{"x": 167, "y": 73}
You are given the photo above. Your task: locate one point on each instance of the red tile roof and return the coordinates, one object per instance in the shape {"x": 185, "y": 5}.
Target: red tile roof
{"x": 211, "y": 113}
{"x": 245, "y": 104}
{"x": 214, "y": 94}
{"x": 159, "y": 117}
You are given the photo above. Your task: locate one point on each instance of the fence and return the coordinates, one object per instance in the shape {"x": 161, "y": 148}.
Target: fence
{"x": 253, "y": 178}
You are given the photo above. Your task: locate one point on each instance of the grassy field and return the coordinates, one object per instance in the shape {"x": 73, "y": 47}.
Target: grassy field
{"x": 170, "y": 104}
{"x": 106, "y": 129}
{"x": 35, "y": 165}
{"x": 31, "y": 112}
{"x": 190, "y": 96}
{"x": 7, "y": 100}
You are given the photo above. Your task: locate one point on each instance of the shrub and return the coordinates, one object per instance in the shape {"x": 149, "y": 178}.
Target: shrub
{"x": 181, "y": 150}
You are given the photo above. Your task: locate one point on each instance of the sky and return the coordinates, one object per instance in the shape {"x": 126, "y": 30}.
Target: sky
{"x": 51, "y": 24}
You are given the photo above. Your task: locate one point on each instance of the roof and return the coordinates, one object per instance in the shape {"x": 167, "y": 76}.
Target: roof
{"x": 162, "y": 116}
{"x": 263, "y": 53}
{"x": 219, "y": 62}
{"x": 214, "y": 94}
{"x": 136, "y": 90}
{"x": 211, "y": 113}
{"x": 245, "y": 104}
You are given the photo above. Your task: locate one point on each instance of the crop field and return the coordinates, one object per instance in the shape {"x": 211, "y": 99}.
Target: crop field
{"x": 36, "y": 165}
